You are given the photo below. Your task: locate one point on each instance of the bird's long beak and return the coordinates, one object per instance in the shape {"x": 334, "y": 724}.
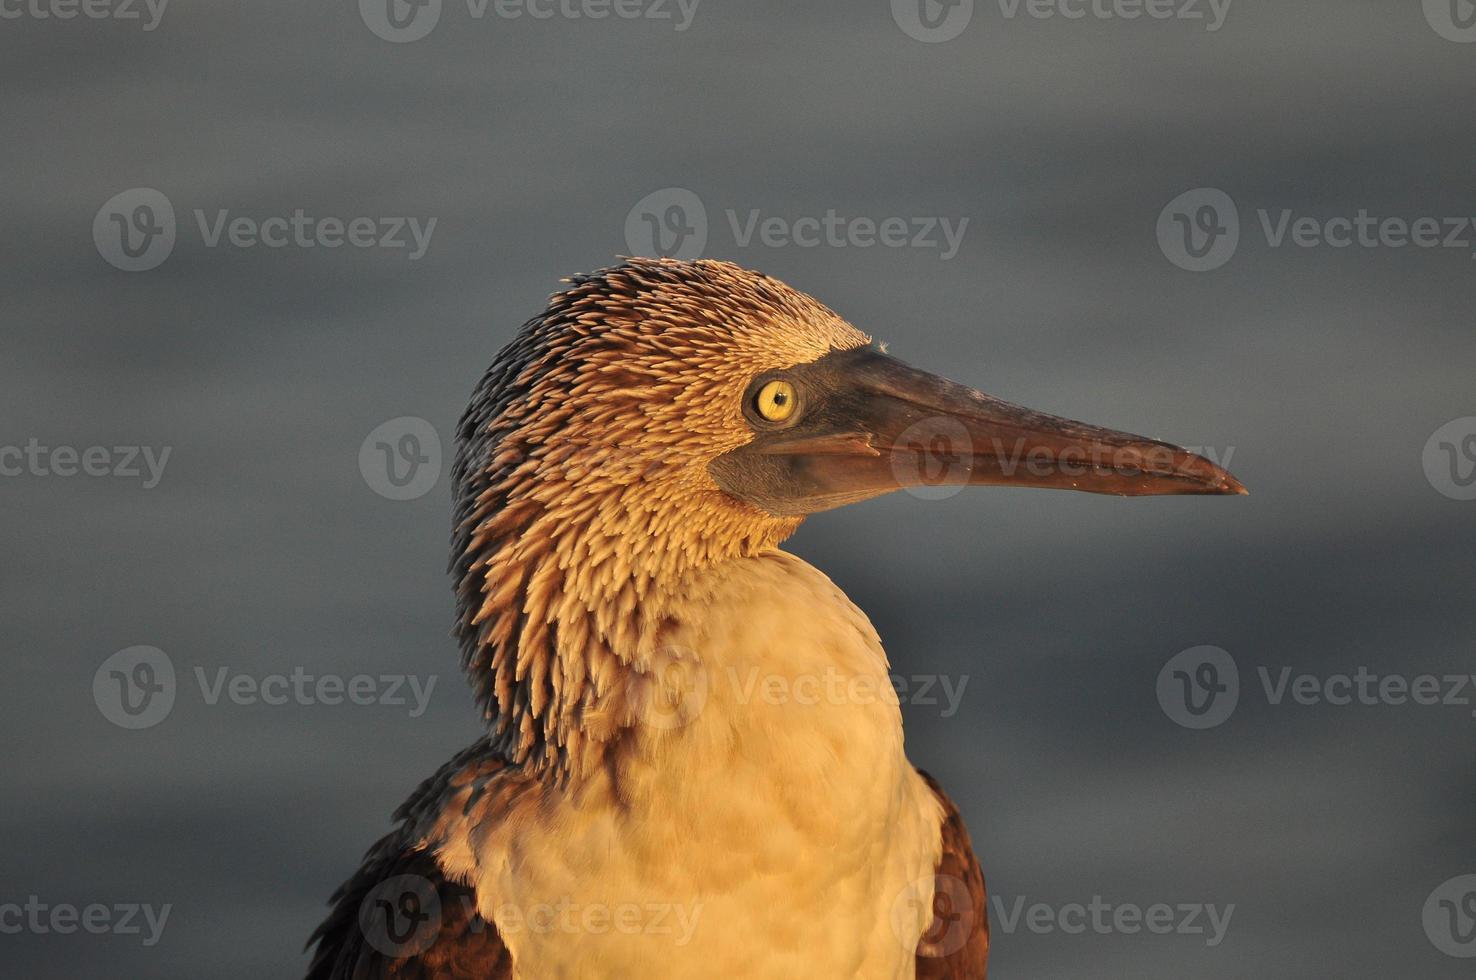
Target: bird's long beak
{"x": 869, "y": 424}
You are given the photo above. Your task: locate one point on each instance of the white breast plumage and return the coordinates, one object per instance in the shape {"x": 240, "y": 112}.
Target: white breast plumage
{"x": 763, "y": 823}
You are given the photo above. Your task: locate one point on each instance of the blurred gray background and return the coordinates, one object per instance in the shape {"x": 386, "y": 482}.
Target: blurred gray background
{"x": 263, "y": 549}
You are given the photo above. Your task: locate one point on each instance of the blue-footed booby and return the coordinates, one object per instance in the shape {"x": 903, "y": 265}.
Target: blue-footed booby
{"x": 691, "y": 766}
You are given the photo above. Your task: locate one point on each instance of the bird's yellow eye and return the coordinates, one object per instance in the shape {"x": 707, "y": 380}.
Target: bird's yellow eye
{"x": 776, "y": 401}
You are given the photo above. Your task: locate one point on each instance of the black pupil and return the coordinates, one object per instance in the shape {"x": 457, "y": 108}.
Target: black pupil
{"x": 780, "y": 397}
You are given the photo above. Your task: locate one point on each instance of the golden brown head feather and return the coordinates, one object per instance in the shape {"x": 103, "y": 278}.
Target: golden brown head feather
{"x": 583, "y": 494}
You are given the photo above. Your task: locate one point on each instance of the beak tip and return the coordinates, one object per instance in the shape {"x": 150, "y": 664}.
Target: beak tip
{"x": 1232, "y": 487}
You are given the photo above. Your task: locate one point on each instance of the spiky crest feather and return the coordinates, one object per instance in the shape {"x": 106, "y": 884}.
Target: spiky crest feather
{"x": 582, "y": 495}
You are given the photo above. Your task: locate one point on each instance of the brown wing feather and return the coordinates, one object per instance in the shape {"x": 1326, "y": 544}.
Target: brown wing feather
{"x": 400, "y": 917}
{"x": 956, "y": 945}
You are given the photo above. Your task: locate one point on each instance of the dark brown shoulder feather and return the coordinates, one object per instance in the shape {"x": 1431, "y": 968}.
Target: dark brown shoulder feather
{"x": 400, "y": 917}
{"x": 956, "y": 945}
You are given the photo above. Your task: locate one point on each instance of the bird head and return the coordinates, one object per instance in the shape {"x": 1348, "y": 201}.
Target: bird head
{"x": 663, "y": 415}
